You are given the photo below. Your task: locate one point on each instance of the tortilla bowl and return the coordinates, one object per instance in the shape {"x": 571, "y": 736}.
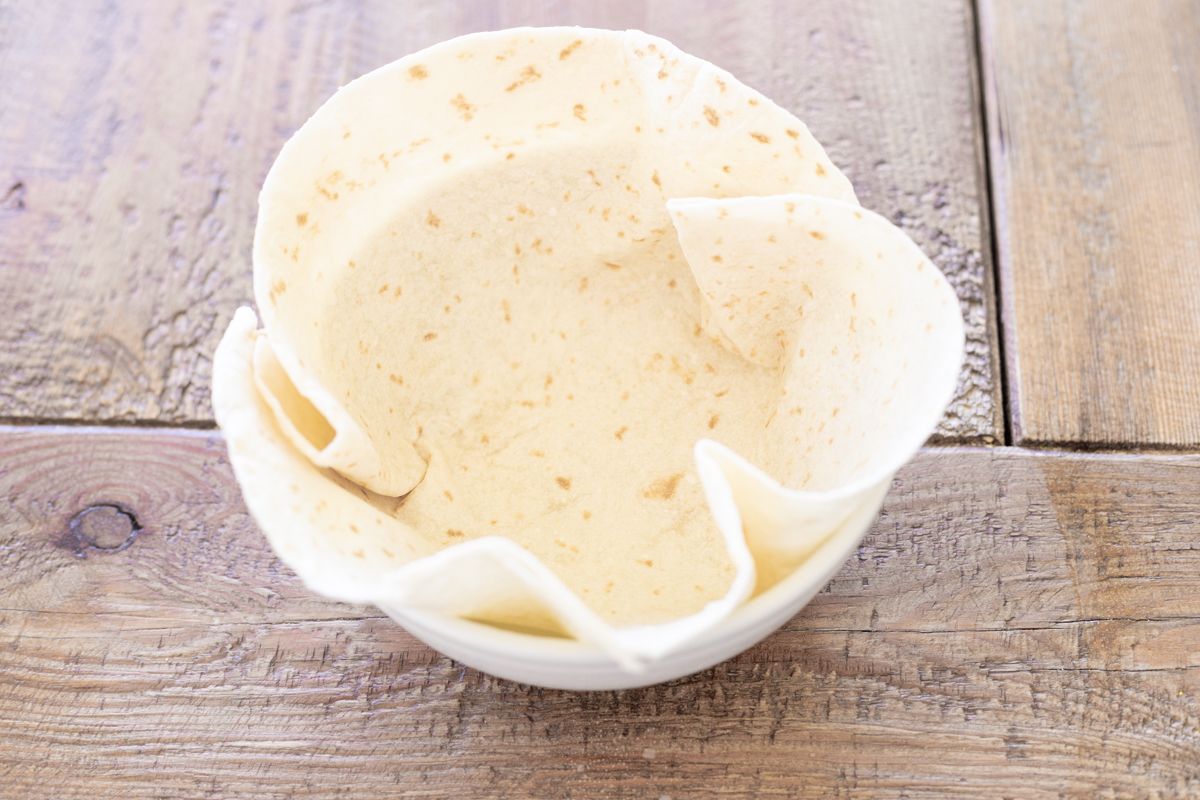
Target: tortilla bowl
{"x": 579, "y": 357}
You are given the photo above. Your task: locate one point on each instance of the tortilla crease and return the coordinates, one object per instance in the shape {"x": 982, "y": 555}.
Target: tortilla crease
{"x": 569, "y": 331}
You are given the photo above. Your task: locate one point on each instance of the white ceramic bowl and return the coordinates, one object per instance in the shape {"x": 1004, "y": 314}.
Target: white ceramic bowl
{"x": 560, "y": 663}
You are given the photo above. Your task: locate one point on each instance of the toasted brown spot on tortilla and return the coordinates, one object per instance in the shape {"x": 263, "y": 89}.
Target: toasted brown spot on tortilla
{"x": 760, "y": 137}
{"x": 580, "y": 112}
{"x": 528, "y": 75}
{"x": 713, "y": 420}
{"x": 302, "y": 220}
{"x": 620, "y": 434}
{"x": 587, "y": 514}
{"x": 418, "y": 72}
{"x": 795, "y": 134}
{"x": 592, "y": 174}
{"x": 432, "y": 220}
{"x": 820, "y": 171}
{"x": 429, "y": 337}
{"x": 396, "y": 379}
{"x": 654, "y": 179}
{"x": 645, "y": 561}
{"x": 563, "y": 483}
{"x": 464, "y": 107}
{"x": 448, "y": 495}
{"x": 383, "y": 289}
{"x": 565, "y": 53}
{"x": 454, "y": 533}
{"x": 277, "y": 288}
{"x": 663, "y": 488}
{"x": 611, "y": 265}
{"x": 752, "y": 101}
{"x": 712, "y": 116}
{"x": 816, "y": 234}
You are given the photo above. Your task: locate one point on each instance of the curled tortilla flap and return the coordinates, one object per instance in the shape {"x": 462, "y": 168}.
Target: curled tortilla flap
{"x": 868, "y": 335}
{"x": 327, "y": 531}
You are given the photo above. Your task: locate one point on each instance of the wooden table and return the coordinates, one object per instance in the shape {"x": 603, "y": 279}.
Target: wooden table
{"x": 1022, "y": 621}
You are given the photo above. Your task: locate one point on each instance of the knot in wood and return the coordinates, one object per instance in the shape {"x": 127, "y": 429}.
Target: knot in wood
{"x": 103, "y": 527}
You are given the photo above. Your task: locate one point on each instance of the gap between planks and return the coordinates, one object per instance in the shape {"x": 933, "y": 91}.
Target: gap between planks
{"x": 935, "y": 442}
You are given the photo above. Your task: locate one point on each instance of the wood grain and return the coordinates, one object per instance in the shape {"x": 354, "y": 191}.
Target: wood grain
{"x": 1095, "y": 148}
{"x": 135, "y": 139}
{"x": 1016, "y": 625}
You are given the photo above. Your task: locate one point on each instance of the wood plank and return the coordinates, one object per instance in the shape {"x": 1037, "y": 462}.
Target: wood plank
{"x": 1017, "y": 624}
{"x": 1095, "y": 149}
{"x": 130, "y": 163}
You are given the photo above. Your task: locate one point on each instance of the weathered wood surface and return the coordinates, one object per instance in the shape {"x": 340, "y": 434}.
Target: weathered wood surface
{"x": 1016, "y": 625}
{"x": 135, "y": 137}
{"x": 1094, "y": 129}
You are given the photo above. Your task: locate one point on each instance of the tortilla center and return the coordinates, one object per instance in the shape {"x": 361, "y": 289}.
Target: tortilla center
{"x": 538, "y": 331}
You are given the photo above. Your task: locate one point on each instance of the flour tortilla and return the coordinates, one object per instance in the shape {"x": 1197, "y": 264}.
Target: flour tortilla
{"x": 483, "y": 294}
